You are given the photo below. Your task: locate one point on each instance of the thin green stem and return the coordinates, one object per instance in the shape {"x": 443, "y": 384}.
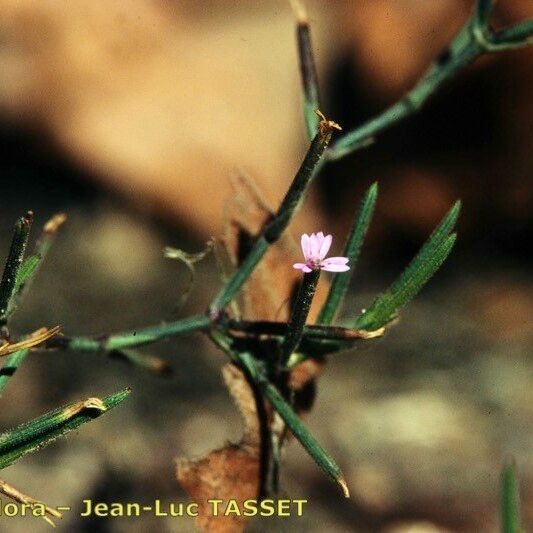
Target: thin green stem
{"x": 280, "y": 220}
{"x": 300, "y": 311}
{"x": 517, "y": 36}
{"x": 441, "y": 71}
{"x": 510, "y": 500}
{"x": 352, "y": 248}
{"x": 131, "y": 339}
{"x": 13, "y": 263}
{"x": 473, "y": 40}
{"x": 311, "y": 331}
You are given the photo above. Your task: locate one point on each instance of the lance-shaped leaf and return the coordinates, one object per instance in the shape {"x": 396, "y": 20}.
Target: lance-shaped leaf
{"x": 440, "y": 233}
{"x": 414, "y": 277}
{"x": 510, "y": 500}
{"x": 133, "y": 338}
{"x": 385, "y": 307}
{"x": 257, "y": 374}
{"x": 41, "y": 431}
{"x": 352, "y": 248}
{"x": 25, "y": 275}
{"x": 27, "y": 270}
{"x": 297, "y": 427}
{"x": 13, "y": 264}
{"x": 30, "y": 266}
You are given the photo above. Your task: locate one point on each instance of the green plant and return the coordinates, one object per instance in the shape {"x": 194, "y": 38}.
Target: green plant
{"x": 266, "y": 352}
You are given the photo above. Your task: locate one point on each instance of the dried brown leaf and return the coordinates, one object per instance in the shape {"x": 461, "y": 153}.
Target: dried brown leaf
{"x": 231, "y": 472}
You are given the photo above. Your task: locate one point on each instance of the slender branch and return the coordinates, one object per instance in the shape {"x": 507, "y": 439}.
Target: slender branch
{"x": 279, "y": 329}
{"x": 516, "y": 36}
{"x": 13, "y": 263}
{"x": 302, "y": 305}
{"x": 41, "y": 509}
{"x": 280, "y": 220}
{"x": 131, "y": 339}
{"x": 308, "y": 75}
{"x": 473, "y": 40}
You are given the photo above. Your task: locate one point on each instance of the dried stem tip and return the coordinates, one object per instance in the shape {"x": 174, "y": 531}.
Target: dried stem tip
{"x": 41, "y": 508}
{"x": 299, "y": 11}
{"x": 326, "y": 126}
{"x": 35, "y": 339}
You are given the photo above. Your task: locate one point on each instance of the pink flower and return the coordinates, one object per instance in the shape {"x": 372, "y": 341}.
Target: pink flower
{"x": 315, "y": 247}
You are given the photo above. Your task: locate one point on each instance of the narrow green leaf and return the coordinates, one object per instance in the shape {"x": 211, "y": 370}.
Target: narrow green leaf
{"x": 405, "y": 289}
{"x": 510, "y": 500}
{"x": 32, "y": 263}
{"x": 26, "y": 272}
{"x": 298, "y": 428}
{"x": 15, "y": 256}
{"x": 413, "y": 278}
{"x": 257, "y": 373}
{"x": 41, "y": 431}
{"x": 352, "y": 248}
{"x": 427, "y": 251}
{"x": 520, "y": 34}
{"x": 28, "y": 267}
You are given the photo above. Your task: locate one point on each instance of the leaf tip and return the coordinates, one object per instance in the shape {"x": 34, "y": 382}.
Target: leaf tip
{"x": 344, "y": 486}
{"x": 300, "y": 12}
{"x": 53, "y": 225}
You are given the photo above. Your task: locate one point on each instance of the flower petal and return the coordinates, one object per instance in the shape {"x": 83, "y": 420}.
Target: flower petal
{"x": 335, "y": 261}
{"x": 306, "y": 246}
{"x": 316, "y": 242}
{"x": 325, "y": 246}
{"x": 335, "y": 268}
{"x": 302, "y": 266}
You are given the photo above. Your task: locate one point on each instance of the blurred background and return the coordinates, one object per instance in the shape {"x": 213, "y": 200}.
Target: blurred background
{"x": 132, "y": 117}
